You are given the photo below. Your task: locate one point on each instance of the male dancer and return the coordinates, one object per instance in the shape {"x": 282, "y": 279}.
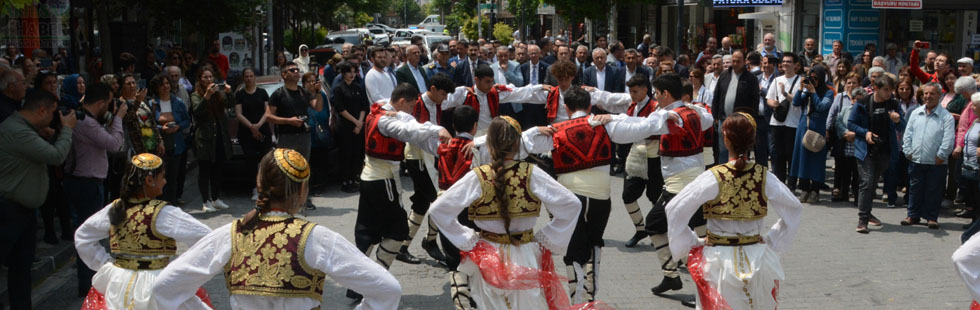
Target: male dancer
{"x": 581, "y": 158}
{"x": 380, "y": 218}
{"x": 421, "y": 168}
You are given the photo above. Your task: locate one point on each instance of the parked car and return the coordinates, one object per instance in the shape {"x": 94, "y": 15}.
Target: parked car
{"x": 432, "y": 23}
{"x": 337, "y": 39}
{"x": 381, "y": 37}
{"x": 386, "y": 28}
{"x": 408, "y": 33}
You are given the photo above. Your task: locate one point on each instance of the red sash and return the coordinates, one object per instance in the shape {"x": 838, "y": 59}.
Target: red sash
{"x": 552, "y": 103}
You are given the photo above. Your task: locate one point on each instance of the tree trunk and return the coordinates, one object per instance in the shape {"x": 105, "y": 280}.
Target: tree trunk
{"x": 105, "y": 38}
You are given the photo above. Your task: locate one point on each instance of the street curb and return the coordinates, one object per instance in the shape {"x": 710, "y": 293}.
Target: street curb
{"x": 53, "y": 259}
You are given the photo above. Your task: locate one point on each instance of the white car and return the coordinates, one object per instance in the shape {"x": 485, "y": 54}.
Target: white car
{"x": 431, "y": 23}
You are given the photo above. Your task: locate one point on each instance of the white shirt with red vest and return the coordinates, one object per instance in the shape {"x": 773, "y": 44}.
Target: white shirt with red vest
{"x": 611, "y": 104}
{"x": 402, "y": 127}
{"x": 671, "y": 166}
{"x": 508, "y": 94}
{"x": 594, "y": 182}
{"x": 414, "y": 152}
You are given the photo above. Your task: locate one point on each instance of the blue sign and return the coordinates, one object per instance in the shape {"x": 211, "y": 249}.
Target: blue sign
{"x": 745, "y": 3}
{"x": 856, "y": 41}
{"x": 852, "y": 21}
{"x": 863, "y": 19}
{"x": 833, "y": 19}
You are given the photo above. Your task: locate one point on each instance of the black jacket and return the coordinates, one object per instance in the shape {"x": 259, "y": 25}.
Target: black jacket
{"x": 746, "y": 95}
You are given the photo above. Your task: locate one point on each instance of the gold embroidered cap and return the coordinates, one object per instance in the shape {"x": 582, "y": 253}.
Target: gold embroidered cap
{"x": 750, "y": 118}
{"x": 293, "y": 164}
{"x": 147, "y": 161}
{"x": 513, "y": 123}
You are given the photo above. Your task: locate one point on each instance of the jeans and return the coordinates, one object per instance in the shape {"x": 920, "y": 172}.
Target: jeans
{"x": 84, "y": 195}
{"x": 953, "y": 176}
{"x": 926, "y": 184}
{"x": 209, "y": 179}
{"x": 870, "y": 169}
{"x": 17, "y": 228}
{"x": 896, "y": 177}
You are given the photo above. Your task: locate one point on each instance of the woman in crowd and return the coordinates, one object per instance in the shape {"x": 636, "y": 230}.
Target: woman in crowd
{"x": 966, "y": 88}
{"x": 212, "y": 145}
{"x": 72, "y": 90}
{"x": 840, "y": 75}
{"x": 948, "y": 82}
{"x": 47, "y": 81}
{"x": 905, "y": 94}
{"x": 319, "y": 123}
{"x": 279, "y": 62}
{"x": 701, "y": 92}
{"x": 172, "y": 117}
{"x": 351, "y": 104}
{"x": 968, "y": 142}
{"x": 112, "y": 81}
{"x": 302, "y": 60}
{"x": 737, "y": 266}
{"x": 139, "y": 123}
{"x": 305, "y": 251}
{"x": 504, "y": 200}
{"x": 254, "y": 134}
{"x": 845, "y": 166}
{"x": 143, "y": 233}
{"x": 809, "y": 166}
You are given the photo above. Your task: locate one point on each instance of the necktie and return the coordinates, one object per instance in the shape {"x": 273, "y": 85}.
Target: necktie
{"x": 534, "y": 75}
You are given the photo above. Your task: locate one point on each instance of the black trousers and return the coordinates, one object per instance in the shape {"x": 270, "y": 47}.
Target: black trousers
{"x": 253, "y": 149}
{"x": 379, "y": 214}
{"x": 56, "y": 205}
{"x": 589, "y": 229}
{"x": 846, "y": 178}
{"x": 17, "y": 241}
{"x": 785, "y": 138}
{"x": 351, "y": 152}
{"x": 209, "y": 179}
{"x": 633, "y": 187}
{"x": 657, "y": 218}
{"x": 425, "y": 192}
{"x": 181, "y": 174}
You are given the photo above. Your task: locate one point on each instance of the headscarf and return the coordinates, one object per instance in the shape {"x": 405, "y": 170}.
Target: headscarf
{"x": 821, "y": 82}
{"x": 303, "y": 62}
{"x": 70, "y": 96}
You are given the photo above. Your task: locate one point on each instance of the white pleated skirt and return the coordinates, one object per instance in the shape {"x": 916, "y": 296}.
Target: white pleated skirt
{"x": 746, "y": 276}
{"x": 487, "y": 296}
{"x": 132, "y": 289}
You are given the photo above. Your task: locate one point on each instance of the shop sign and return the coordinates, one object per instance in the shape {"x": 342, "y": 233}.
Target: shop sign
{"x": 853, "y": 22}
{"x": 897, "y": 4}
{"x": 745, "y": 3}
{"x": 975, "y": 40}
{"x": 863, "y": 19}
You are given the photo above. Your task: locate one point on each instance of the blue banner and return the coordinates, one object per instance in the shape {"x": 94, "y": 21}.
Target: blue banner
{"x": 853, "y": 22}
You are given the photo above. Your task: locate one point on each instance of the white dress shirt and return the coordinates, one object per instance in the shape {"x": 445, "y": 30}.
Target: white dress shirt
{"x": 600, "y": 78}
{"x": 379, "y": 85}
{"x": 419, "y": 80}
{"x": 670, "y": 166}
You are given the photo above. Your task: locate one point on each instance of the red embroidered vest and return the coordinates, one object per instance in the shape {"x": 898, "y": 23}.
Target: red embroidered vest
{"x": 708, "y": 136}
{"x": 650, "y": 107}
{"x": 421, "y": 112}
{"x": 580, "y": 146}
{"x": 452, "y": 164}
{"x": 683, "y": 141}
{"x": 493, "y": 99}
{"x": 137, "y": 236}
{"x": 269, "y": 260}
{"x": 377, "y": 145}
{"x": 552, "y": 103}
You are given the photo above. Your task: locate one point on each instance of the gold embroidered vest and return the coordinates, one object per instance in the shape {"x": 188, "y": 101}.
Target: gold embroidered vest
{"x": 268, "y": 260}
{"x": 137, "y": 236}
{"x": 522, "y": 202}
{"x": 741, "y": 194}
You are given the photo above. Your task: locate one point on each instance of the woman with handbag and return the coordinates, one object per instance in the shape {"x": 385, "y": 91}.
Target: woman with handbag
{"x": 809, "y": 151}
{"x": 319, "y": 122}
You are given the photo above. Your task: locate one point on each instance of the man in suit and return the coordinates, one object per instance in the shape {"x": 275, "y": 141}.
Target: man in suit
{"x": 466, "y": 68}
{"x": 547, "y": 55}
{"x": 737, "y": 90}
{"x": 411, "y": 71}
{"x": 534, "y": 72}
{"x": 506, "y": 71}
{"x": 564, "y": 52}
{"x": 600, "y": 75}
{"x": 633, "y": 67}
{"x": 582, "y": 57}
{"x": 664, "y": 53}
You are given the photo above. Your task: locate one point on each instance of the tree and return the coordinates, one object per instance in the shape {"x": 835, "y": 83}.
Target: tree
{"x": 525, "y": 10}
{"x": 415, "y": 14}
{"x": 503, "y": 33}
{"x": 470, "y": 29}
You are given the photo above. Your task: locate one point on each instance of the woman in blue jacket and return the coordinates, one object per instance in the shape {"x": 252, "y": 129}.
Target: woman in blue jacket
{"x": 815, "y": 99}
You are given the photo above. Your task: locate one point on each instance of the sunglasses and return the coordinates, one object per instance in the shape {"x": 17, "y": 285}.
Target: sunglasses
{"x": 293, "y": 70}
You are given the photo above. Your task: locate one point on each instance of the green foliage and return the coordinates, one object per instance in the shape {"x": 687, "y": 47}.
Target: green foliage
{"x": 503, "y": 33}
{"x": 309, "y": 36}
{"x": 529, "y": 7}
{"x": 205, "y": 17}
{"x": 414, "y": 11}
{"x": 470, "y": 28}
{"x": 574, "y": 10}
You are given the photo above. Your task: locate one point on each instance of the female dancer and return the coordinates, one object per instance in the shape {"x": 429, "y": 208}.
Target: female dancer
{"x": 142, "y": 235}
{"x": 509, "y": 265}
{"x": 273, "y": 260}
{"x": 737, "y": 266}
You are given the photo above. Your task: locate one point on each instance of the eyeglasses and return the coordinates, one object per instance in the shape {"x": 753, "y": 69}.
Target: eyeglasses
{"x": 293, "y": 70}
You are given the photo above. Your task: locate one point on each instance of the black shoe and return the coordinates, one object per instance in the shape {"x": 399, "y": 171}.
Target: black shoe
{"x": 180, "y": 202}
{"x": 50, "y": 238}
{"x": 432, "y": 248}
{"x": 355, "y": 296}
{"x": 68, "y": 235}
{"x": 668, "y": 284}
{"x": 637, "y": 237}
{"x": 350, "y": 187}
{"x": 408, "y": 258}
{"x": 310, "y": 205}
{"x": 690, "y": 303}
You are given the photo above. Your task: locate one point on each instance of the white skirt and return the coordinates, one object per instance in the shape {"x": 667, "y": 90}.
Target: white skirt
{"x": 730, "y": 270}
{"x": 487, "y": 296}
{"x": 132, "y": 289}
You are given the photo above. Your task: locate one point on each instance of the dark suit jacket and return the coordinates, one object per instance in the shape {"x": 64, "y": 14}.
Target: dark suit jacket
{"x": 577, "y": 81}
{"x": 404, "y": 75}
{"x": 463, "y": 75}
{"x": 613, "y": 81}
{"x": 746, "y": 95}
{"x": 644, "y": 70}
{"x": 549, "y": 59}
{"x": 543, "y": 75}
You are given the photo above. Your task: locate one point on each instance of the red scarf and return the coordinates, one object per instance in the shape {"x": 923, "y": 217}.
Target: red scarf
{"x": 551, "y": 105}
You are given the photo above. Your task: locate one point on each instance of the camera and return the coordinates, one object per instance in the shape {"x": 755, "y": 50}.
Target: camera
{"x": 807, "y": 80}
{"x": 220, "y": 86}
{"x": 79, "y": 114}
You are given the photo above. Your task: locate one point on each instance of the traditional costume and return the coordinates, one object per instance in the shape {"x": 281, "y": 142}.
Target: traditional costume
{"x": 509, "y": 270}
{"x": 487, "y": 104}
{"x": 421, "y": 168}
{"x": 681, "y": 160}
{"x": 737, "y": 266}
{"x": 966, "y": 259}
{"x": 278, "y": 261}
{"x": 580, "y": 149}
{"x": 453, "y": 165}
{"x": 139, "y": 248}
{"x": 141, "y": 125}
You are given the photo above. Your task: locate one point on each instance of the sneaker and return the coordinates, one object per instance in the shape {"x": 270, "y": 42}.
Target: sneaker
{"x": 862, "y": 227}
{"x": 310, "y": 205}
{"x": 218, "y": 204}
{"x": 255, "y": 194}
{"x": 209, "y": 207}
{"x": 804, "y": 197}
{"x": 909, "y": 221}
{"x": 892, "y": 205}
{"x": 874, "y": 221}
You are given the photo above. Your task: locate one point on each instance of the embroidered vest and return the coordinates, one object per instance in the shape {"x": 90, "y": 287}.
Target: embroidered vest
{"x": 741, "y": 194}
{"x": 522, "y": 202}
{"x": 578, "y": 146}
{"x": 650, "y": 107}
{"x": 137, "y": 236}
{"x": 493, "y": 100}
{"x": 452, "y": 164}
{"x": 683, "y": 141}
{"x": 708, "y": 136}
{"x": 552, "y": 103}
{"x": 268, "y": 260}
{"x": 421, "y": 112}
{"x": 377, "y": 145}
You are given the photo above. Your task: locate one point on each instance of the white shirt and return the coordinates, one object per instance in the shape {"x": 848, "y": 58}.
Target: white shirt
{"x": 705, "y": 188}
{"x": 325, "y": 250}
{"x": 670, "y": 166}
{"x": 711, "y": 81}
{"x": 379, "y": 85}
{"x": 793, "y": 116}
{"x": 405, "y": 128}
{"x": 515, "y": 94}
{"x": 166, "y": 107}
{"x": 600, "y": 78}
{"x": 629, "y": 75}
{"x": 559, "y": 201}
{"x": 966, "y": 259}
{"x": 729, "y": 104}
{"x": 763, "y": 82}
{"x": 419, "y": 80}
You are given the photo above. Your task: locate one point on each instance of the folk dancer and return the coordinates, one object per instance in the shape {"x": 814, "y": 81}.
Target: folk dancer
{"x": 737, "y": 266}
{"x": 272, "y": 259}
{"x": 143, "y": 235}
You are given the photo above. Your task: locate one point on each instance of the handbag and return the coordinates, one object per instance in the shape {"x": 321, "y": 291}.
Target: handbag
{"x": 813, "y": 141}
{"x": 970, "y": 172}
{"x": 782, "y": 110}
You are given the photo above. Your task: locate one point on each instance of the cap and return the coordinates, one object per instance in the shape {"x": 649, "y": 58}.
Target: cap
{"x": 965, "y": 60}
{"x": 442, "y": 48}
